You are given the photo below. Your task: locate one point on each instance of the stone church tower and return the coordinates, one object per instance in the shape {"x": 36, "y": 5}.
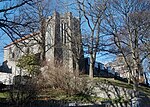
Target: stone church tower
{"x": 63, "y": 40}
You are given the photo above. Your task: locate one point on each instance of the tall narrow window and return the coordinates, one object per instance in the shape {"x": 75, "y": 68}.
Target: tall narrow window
{"x": 13, "y": 55}
{"x": 61, "y": 31}
{"x": 17, "y": 53}
{"x": 49, "y": 38}
{"x": 28, "y": 50}
{"x": 10, "y": 50}
{"x": 49, "y": 44}
{"x": 64, "y": 33}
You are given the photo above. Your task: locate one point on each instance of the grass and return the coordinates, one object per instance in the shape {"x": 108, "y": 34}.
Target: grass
{"x": 111, "y": 81}
{"x": 118, "y": 83}
{"x": 58, "y": 94}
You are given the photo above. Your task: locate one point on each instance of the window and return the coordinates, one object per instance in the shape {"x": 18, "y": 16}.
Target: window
{"x": 61, "y": 32}
{"x": 65, "y": 33}
{"x": 48, "y": 42}
{"x": 26, "y": 51}
{"x": 10, "y": 50}
{"x": 13, "y": 55}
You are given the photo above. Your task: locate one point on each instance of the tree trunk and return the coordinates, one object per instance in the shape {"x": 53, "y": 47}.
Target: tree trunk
{"x": 135, "y": 86}
{"x": 77, "y": 68}
{"x": 43, "y": 51}
{"x": 129, "y": 78}
{"x": 146, "y": 80}
{"x": 43, "y": 32}
{"x": 91, "y": 70}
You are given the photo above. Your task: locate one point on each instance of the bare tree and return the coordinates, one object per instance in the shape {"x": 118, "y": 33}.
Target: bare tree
{"x": 128, "y": 25}
{"x": 24, "y": 17}
{"x": 9, "y": 21}
{"x": 40, "y": 11}
{"x": 93, "y": 13}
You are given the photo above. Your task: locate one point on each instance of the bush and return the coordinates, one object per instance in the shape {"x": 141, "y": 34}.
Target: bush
{"x": 23, "y": 91}
{"x": 60, "y": 77}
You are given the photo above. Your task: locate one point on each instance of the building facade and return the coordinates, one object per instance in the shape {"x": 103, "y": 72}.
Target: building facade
{"x": 63, "y": 40}
{"x": 62, "y": 44}
{"x": 119, "y": 67}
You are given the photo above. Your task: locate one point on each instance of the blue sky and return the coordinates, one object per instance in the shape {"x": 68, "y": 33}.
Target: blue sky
{"x": 4, "y": 40}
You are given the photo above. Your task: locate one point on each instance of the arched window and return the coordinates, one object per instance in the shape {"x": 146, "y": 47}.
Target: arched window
{"x": 63, "y": 32}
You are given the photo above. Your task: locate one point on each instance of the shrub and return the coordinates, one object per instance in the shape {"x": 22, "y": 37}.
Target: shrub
{"x": 21, "y": 92}
{"x": 60, "y": 77}
{"x": 30, "y": 63}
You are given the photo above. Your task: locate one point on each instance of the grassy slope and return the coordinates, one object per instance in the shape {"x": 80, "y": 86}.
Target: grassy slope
{"x": 57, "y": 94}
{"x": 143, "y": 89}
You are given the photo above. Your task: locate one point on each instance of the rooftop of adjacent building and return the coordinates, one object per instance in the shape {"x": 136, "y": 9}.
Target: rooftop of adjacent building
{"x": 22, "y": 39}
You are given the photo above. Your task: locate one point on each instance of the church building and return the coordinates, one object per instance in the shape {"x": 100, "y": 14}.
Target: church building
{"x": 63, "y": 44}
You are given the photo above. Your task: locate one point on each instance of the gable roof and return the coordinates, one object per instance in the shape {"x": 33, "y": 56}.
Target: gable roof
{"x": 22, "y": 39}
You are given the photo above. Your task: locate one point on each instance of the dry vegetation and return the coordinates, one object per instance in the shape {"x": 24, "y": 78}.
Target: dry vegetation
{"x": 61, "y": 78}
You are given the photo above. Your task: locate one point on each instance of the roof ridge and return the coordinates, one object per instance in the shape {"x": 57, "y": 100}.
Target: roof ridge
{"x": 22, "y": 39}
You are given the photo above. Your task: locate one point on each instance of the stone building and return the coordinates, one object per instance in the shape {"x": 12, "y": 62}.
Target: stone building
{"x": 63, "y": 34}
{"x": 62, "y": 44}
{"x": 119, "y": 67}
